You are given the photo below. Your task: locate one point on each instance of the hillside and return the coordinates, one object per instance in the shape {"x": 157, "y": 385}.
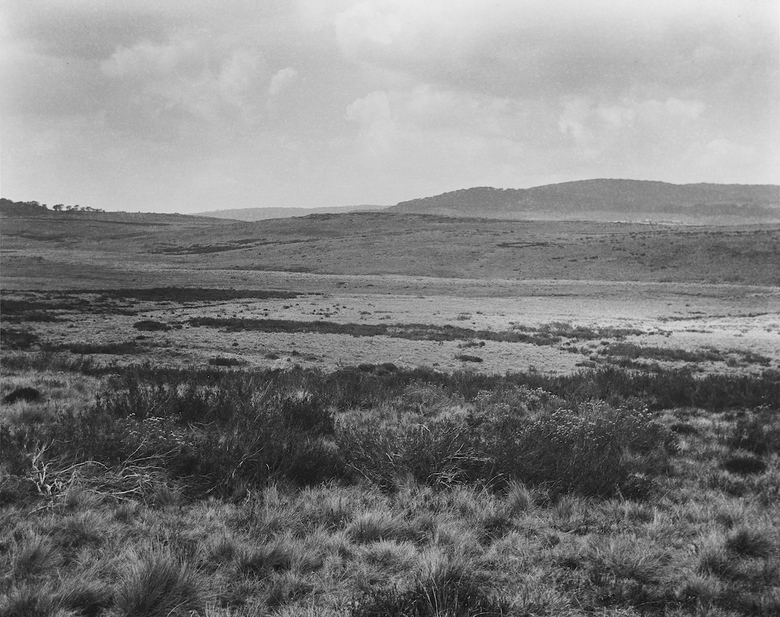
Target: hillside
{"x": 631, "y": 199}
{"x": 161, "y": 249}
{"x": 263, "y": 214}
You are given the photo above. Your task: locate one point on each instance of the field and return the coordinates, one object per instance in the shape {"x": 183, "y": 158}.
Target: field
{"x": 372, "y": 414}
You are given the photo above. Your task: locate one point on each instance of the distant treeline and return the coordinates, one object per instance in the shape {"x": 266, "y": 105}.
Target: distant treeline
{"x": 34, "y": 208}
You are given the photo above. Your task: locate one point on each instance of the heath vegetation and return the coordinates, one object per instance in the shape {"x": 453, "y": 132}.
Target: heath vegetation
{"x": 375, "y": 490}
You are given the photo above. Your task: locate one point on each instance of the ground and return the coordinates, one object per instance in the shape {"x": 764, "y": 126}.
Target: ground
{"x": 193, "y": 424}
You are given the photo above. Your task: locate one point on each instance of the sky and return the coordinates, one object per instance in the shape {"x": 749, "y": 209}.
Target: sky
{"x": 186, "y": 106}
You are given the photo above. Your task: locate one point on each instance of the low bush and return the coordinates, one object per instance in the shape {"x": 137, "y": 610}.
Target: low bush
{"x": 222, "y": 361}
{"x": 215, "y": 436}
{"x": 118, "y": 349}
{"x": 759, "y": 434}
{"x": 743, "y": 464}
{"x": 17, "y": 338}
{"x": 591, "y": 450}
{"x": 25, "y": 393}
{"x": 150, "y": 325}
{"x": 435, "y": 452}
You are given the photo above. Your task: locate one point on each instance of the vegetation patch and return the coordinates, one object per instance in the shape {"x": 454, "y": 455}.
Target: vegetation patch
{"x": 629, "y": 350}
{"x": 22, "y": 394}
{"x": 223, "y": 361}
{"x": 546, "y": 335}
{"x": 150, "y": 325}
{"x": 201, "y": 249}
{"x": 375, "y": 490}
{"x": 193, "y": 294}
{"x": 17, "y": 338}
{"x": 468, "y": 358}
{"x": 116, "y": 349}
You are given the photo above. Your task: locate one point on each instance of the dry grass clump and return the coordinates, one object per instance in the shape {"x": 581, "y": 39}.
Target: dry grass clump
{"x": 444, "y": 584}
{"x": 157, "y": 584}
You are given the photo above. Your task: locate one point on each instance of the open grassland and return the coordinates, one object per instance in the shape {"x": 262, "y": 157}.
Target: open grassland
{"x": 96, "y": 250}
{"x": 190, "y": 427}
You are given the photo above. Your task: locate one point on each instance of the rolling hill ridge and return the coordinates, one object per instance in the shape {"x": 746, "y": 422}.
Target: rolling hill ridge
{"x": 635, "y": 199}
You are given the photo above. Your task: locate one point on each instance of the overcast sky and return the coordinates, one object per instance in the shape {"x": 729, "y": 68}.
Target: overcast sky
{"x": 183, "y": 106}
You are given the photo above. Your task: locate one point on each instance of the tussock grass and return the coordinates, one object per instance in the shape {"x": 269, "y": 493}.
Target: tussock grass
{"x": 156, "y": 584}
{"x": 747, "y": 542}
{"x": 33, "y": 556}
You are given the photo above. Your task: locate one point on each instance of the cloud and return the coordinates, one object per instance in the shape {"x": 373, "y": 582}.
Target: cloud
{"x": 146, "y": 58}
{"x": 282, "y": 103}
{"x": 378, "y": 131}
{"x": 598, "y": 127}
{"x": 563, "y": 48}
{"x": 282, "y": 80}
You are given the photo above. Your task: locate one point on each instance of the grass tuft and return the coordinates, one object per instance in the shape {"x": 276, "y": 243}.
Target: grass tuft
{"x": 747, "y": 542}
{"x": 445, "y": 585}
{"x": 158, "y": 585}
{"x": 35, "y": 556}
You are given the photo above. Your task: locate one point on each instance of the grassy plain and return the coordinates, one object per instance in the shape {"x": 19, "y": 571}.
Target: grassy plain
{"x": 384, "y": 415}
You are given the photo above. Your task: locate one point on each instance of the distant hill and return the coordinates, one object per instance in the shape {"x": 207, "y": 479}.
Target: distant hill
{"x": 602, "y": 198}
{"x": 262, "y": 214}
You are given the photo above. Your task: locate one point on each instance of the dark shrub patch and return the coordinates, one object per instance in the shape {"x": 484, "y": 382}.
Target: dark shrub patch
{"x": 226, "y": 361}
{"x": 118, "y": 349}
{"x": 13, "y": 338}
{"x": 22, "y": 394}
{"x": 194, "y": 294}
{"x": 149, "y": 325}
{"x": 760, "y": 434}
{"x": 683, "y": 428}
{"x": 464, "y": 357}
{"x": 743, "y": 465}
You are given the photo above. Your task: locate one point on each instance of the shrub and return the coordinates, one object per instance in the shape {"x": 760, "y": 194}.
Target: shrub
{"x": 743, "y": 464}
{"x": 221, "y": 361}
{"x": 17, "y": 338}
{"x": 437, "y": 452}
{"x": 216, "y": 430}
{"x": 595, "y": 450}
{"x": 150, "y": 325}
{"x": 759, "y": 434}
{"x": 119, "y": 348}
{"x": 468, "y": 358}
{"x": 22, "y": 394}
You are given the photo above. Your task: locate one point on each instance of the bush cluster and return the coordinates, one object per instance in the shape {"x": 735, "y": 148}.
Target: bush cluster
{"x": 224, "y": 431}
